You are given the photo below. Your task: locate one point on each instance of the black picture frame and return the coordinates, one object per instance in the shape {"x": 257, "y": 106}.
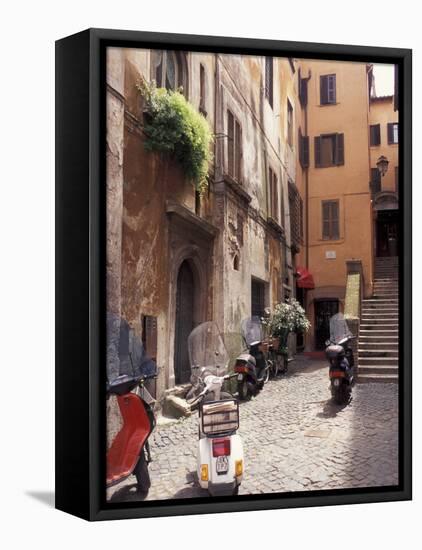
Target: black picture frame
{"x": 80, "y": 272}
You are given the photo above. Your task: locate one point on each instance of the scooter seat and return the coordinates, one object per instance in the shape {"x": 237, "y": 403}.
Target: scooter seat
{"x": 124, "y": 452}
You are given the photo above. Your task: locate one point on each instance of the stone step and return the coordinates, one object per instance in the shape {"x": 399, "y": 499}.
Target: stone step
{"x": 176, "y": 407}
{"x": 385, "y": 294}
{"x": 378, "y": 289}
{"x": 386, "y": 303}
{"x": 382, "y": 352}
{"x": 379, "y": 314}
{"x": 377, "y": 320}
{"x": 378, "y": 330}
{"x": 376, "y": 345}
{"x": 385, "y": 378}
{"x": 384, "y": 369}
{"x": 371, "y": 338}
{"x": 378, "y": 361}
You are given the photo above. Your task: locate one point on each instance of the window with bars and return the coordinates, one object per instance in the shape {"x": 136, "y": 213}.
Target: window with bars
{"x": 393, "y": 132}
{"x": 374, "y": 135}
{"x": 273, "y": 194}
{"x": 269, "y": 80}
{"x": 289, "y": 123}
{"x": 234, "y": 147}
{"x": 257, "y": 298}
{"x": 330, "y": 220}
{"x": 329, "y": 150}
{"x": 328, "y": 95}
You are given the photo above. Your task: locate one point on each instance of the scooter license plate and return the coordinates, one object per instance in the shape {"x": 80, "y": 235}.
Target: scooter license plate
{"x": 222, "y": 464}
{"x": 240, "y": 377}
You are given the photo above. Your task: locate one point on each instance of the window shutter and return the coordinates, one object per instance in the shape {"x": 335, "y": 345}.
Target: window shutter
{"x": 305, "y": 141}
{"x": 339, "y": 149}
{"x": 326, "y": 220}
{"x": 317, "y": 144}
{"x": 331, "y": 88}
{"x": 375, "y": 181}
{"x": 323, "y": 90}
{"x": 390, "y": 132}
{"x": 303, "y": 89}
{"x": 334, "y": 220}
{"x": 238, "y": 141}
{"x": 230, "y": 143}
{"x": 375, "y": 134}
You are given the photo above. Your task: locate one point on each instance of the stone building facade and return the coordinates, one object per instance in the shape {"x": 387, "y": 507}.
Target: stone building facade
{"x": 288, "y": 201}
{"x": 176, "y": 258}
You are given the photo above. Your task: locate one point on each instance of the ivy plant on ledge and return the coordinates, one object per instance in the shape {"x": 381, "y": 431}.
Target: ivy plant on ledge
{"x": 174, "y": 127}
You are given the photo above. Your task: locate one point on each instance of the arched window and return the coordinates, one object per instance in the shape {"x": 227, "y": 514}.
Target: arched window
{"x": 169, "y": 69}
{"x": 236, "y": 262}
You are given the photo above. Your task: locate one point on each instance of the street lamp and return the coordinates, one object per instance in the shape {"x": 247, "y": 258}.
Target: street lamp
{"x": 382, "y": 165}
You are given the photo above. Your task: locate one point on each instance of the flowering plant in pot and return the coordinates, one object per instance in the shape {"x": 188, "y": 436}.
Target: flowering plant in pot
{"x": 287, "y": 317}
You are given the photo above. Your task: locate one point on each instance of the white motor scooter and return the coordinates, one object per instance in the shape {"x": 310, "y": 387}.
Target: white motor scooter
{"x": 220, "y": 450}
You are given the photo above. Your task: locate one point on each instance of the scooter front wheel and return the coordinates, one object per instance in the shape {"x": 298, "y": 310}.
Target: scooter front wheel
{"x": 142, "y": 474}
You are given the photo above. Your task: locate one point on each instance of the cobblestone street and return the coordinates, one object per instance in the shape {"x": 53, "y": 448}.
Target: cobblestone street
{"x": 294, "y": 439}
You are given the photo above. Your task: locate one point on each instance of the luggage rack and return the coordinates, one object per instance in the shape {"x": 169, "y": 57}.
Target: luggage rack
{"x": 220, "y": 417}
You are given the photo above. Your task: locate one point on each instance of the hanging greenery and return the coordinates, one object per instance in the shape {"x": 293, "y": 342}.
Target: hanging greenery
{"x": 173, "y": 126}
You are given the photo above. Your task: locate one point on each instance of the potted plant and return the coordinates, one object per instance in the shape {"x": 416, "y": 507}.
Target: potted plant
{"x": 287, "y": 317}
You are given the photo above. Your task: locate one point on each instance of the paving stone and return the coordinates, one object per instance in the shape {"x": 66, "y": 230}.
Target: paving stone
{"x": 346, "y": 447}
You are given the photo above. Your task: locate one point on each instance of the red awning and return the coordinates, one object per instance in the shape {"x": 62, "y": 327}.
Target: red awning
{"x": 305, "y": 279}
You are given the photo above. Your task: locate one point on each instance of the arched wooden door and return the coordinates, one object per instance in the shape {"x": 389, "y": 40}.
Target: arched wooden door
{"x": 184, "y": 322}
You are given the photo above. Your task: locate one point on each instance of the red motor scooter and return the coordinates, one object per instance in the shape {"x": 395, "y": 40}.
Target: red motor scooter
{"x": 128, "y": 368}
{"x": 129, "y": 452}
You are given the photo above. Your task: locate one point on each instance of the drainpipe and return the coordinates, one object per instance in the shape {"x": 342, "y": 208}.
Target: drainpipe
{"x": 307, "y": 179}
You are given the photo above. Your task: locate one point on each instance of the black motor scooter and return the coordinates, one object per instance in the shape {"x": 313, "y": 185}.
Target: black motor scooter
{"x": 340, "y": 356}
{"x": 251, "y": 366}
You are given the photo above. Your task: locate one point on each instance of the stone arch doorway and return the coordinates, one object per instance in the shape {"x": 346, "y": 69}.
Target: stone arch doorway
{"x": 184, "y": 320}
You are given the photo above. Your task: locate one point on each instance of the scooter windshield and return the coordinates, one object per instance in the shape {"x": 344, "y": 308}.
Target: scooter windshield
{"x": 207, "y": 351}
{"x": 126, "y": 354}
{"x": 252, "y": 330}
{"x": 339, "y": 329}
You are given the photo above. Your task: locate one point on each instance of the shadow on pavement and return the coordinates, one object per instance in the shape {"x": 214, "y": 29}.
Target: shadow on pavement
{"x": 331, "y": 409}
{"x": 128, "y": 493}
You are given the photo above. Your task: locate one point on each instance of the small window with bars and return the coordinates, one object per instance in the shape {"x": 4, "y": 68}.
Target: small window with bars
{"x": 328, "y": 95}
{"x": 330, "y": 220}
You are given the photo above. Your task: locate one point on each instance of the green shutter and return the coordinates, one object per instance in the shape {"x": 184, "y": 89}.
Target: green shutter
{"x": 323, "y": 90}
{"x": 339, "y": 149}
{"x": 317, "y": 145}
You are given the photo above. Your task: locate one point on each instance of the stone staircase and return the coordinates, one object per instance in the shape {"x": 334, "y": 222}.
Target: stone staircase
{"x": 378, "y": 351}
